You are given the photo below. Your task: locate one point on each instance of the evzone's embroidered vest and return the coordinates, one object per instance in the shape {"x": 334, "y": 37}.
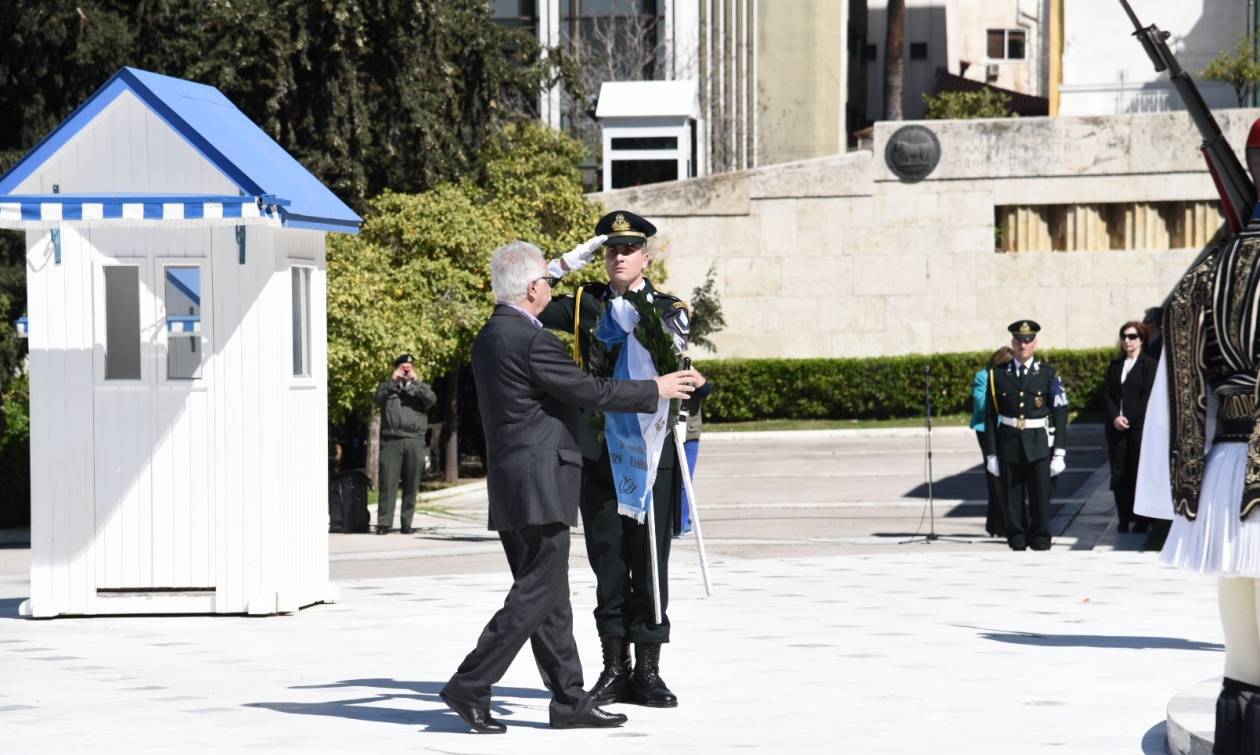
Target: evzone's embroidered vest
{"x": 1212, "y": 343}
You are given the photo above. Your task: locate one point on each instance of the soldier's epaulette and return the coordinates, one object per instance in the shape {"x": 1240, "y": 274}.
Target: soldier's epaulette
{"x": 597, "y": 290}
{"x": 668, "y": 301}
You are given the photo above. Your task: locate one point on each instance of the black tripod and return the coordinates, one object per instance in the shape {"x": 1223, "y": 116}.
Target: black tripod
{"x": 931, "y": 536}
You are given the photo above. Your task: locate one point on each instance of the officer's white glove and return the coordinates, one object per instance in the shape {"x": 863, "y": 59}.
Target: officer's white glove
{"x": 991, "y": 466}
{"x": 1058, "y": 464}
{"x": 577, "y": 257}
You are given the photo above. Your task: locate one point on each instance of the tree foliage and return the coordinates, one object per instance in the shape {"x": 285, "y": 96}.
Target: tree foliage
{"x": 706, "y": 311}
{"x": 1237, "y": 67}
{"x": 368, "y": 94}
{"x": 416, "y": 278}
{"x": 982, "y": 103}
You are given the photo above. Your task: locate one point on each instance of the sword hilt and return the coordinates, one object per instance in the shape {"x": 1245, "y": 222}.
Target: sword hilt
{"x": 683, "y": 413}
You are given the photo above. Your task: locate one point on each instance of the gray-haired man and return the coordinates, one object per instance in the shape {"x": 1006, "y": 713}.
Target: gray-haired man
{"x": 528, "y": 390}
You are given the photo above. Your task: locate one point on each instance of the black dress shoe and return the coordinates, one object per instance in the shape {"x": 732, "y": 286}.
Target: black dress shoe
{"x": 382, "y": 530}
{"x": 1122, "y": 527}
{"x": 478, "y": 719}
{"x": 406, "y": 530}
{"x": 595, "y": 718}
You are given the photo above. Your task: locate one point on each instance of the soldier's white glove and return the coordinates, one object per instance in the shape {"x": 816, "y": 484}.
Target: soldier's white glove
{"x": 991, "y": 466}
{"x": 577, "y": 257}
{"x": 1058, "y": 463}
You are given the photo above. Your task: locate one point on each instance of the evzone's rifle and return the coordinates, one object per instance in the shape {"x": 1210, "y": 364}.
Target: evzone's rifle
{"x": 1237, "y": 192}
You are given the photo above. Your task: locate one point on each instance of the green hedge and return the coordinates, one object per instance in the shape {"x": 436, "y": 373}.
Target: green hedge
{"x": 874, "y": 387}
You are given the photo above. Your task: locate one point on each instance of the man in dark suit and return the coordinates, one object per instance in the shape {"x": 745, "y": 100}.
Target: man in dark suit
{"x": 1025, "y": 429}
{"x": 528, "y": 390}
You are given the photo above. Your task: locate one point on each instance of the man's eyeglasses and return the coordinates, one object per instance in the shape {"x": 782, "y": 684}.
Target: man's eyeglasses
{"x": 551, "y": 280}
{"x": 1132, "y": 337}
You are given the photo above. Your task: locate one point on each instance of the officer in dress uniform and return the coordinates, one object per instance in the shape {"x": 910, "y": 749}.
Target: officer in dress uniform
{"x": 617, "y": 546}
{"x": 1025, "y": 437}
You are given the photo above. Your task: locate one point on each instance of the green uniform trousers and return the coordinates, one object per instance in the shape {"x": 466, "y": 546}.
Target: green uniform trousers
{"x": 400, "y": 458}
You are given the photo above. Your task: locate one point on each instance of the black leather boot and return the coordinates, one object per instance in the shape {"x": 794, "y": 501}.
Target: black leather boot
{"x": 1237, "y": 719}
{"x": 646, "y": 686}
{"x": 613, "y": 685}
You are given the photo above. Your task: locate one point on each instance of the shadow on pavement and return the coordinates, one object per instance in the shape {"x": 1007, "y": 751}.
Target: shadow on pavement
{"x": 442, "y": 537}
{"x": 1086, "y": 452}
{"x": 369, "y": 708}
{"x": 1155, "y": 740}
{"x": 9, "y": 608}
{"x": 1130, "y": 642}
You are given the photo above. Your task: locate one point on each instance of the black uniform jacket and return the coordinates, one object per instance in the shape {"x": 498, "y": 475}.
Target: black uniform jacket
{"x": 1132, "y": 394}
{"x": 578, "y": 314}
{"x": 1031, "y": 397}
{"x": 528, "y": 390}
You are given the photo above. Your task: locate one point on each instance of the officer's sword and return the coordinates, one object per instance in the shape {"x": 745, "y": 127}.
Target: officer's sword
{"x": 656, "y": 568}
{"x": 680, "y": 436}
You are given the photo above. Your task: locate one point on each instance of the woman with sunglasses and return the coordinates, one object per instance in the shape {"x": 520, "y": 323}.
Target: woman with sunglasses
{"x": 1129, "y": 379}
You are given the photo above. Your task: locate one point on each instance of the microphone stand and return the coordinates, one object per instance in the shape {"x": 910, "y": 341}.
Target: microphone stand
{"x": 931, "y": 536}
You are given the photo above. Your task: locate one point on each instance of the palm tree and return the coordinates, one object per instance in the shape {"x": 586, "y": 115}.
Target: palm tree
{"x": 894, "y": 68}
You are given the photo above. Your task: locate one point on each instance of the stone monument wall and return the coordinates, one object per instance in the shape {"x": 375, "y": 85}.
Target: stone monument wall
{"x": 838, "y": 257}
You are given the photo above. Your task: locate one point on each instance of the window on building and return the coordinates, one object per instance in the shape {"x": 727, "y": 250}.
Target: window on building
{"x": 1006, "y": 44}
{"x": 645, "y": 142}
{"x": 122, "y": 322}
{"x": 627, "y": 173}
{"x": 183, "y": 323}
{"x": 301, "y": 321}
{"x": 1152, "y": 226}
{"x": 516, "y": 13}
{"x": 918, "y": 50}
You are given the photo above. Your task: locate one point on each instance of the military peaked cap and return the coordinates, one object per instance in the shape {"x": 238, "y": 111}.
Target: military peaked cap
{"x": 623, "y": 227}
{"x": 404, "y": 359}
{"x": 1027, "y": 329}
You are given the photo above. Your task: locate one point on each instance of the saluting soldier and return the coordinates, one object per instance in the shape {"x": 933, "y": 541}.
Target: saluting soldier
{"x": 617, "y": 546}
{"x": 1026, "y": 436}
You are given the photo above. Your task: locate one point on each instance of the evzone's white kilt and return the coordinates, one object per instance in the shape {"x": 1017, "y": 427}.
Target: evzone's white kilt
{"x": 1217, "y": 542}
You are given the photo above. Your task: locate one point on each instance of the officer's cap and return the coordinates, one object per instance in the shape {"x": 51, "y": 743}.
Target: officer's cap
{"x": 404, "y": 359}
{"x": 1024, "y": 330}
{"x": 623, "y": 227}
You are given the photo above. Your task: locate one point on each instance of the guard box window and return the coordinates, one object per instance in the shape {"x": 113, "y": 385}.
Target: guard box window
{"x": 183, "y": 323}
{"x": 122, "y": 322}
{"x": 302, "y": 322}
{"x": 1006, "y": 44}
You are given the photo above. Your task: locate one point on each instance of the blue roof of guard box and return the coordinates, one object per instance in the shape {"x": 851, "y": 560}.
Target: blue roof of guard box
{"x": 221, "y": 133}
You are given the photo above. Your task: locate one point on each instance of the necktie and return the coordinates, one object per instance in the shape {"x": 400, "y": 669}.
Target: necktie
{"x": 1019, "y": 371}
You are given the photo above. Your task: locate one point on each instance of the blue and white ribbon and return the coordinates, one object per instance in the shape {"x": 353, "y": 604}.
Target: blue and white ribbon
{"x": 183, "y": 325}
{"x": 126, "y": 211}
{"x": 634, "y": 440}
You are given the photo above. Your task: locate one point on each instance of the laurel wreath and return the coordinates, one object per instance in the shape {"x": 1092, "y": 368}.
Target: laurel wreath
{"x": 651, "y": 334}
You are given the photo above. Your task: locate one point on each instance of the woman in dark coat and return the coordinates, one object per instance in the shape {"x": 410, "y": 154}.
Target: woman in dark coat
{"x": 1129, "y": 380}
{"x": 994, "y": 517}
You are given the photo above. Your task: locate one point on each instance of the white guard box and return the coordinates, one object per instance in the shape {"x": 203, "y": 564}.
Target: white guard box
{"x": 178, "y": 359}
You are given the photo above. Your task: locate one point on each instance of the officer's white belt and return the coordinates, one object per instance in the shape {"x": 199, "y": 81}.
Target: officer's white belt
{"x": 1023, "y": 423}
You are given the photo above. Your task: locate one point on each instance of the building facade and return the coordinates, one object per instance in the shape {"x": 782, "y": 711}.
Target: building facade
{"x": 1078, "y": 223}
{"x": 1105, "y": 70}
